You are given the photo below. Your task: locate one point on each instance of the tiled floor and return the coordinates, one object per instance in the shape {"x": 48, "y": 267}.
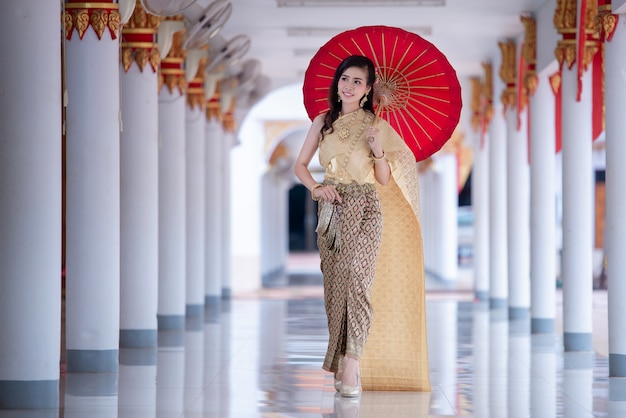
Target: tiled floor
{"x": 261, "y": 356}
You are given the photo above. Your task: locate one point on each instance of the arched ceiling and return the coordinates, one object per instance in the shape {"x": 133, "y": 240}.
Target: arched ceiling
{"x": 285, "y": 34}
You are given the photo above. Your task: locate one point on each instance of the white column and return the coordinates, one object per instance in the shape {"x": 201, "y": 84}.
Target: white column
{"x": 172, "y": 241}
{"x": 195, "y": 236}
{"x": 213, "y": 219}
{"x": 498, "y": 286}
{"x": 438, "y": 187}
{"x": 227, "y": 143}
{"x": 93, "y": 199}
{"x": 542, "y": 208}
{"x": 448, "y": 217}
{"x": 518, "y": 213}
{"x": 577, "y": 212}
{"x": 268, "y": 234}
{"x": 480, "y": 208}
{"x": 139, "y": 232}
{"x": 30, "y": 207}
{"x": 274, "y": 228}
{"x": 615, "y": 228}
{"x": 284, "y": 184}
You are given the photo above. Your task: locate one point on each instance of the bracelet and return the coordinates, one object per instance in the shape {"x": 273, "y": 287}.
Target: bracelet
{"x": 375, "y": 158}
{"x": 313, "y": 189}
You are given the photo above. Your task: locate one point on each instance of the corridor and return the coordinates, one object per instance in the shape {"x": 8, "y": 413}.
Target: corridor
{"x": 260, "y": 357}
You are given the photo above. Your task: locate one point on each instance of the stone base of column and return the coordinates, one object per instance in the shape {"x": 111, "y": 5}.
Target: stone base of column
{"x": 212, "y": 308}
{"x": 542, "y": 325}
{"x": 138, "y": 338}
{"x": 481, "y": 295}
{"x": 226, "y": 293}
{"x": 171, "y": 322}
{"x": 194, "y": 310}
{"x": 577, "y": 341}
{"x": 518, "y": 313}
{"x": 29, "y": 394}
{"x": 617, "y": 365}
{"x": 92, "y": 361}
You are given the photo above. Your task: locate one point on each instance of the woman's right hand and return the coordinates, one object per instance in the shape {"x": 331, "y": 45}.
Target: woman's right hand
{"x": 328, "y": 193}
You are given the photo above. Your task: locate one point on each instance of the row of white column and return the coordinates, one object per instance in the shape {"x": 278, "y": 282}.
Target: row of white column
{"x": 515, "y": 208}
{"x": 146, "y": 207}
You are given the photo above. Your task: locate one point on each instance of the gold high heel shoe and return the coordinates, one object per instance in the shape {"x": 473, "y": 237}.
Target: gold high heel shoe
{"x": 337, "y": 384}
{"x": 351, "y": 391}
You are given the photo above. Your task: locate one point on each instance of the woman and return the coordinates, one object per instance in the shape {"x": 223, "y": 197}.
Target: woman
{"x": 357, "y": 152}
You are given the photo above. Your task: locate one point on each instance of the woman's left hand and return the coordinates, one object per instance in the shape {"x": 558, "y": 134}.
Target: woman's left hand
{"x": 372, "y": 134}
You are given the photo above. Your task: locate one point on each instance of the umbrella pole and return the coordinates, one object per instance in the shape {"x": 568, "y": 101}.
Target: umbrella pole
{"x": 382, "y": 101}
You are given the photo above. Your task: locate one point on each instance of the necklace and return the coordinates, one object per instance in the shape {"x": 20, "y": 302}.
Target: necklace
{"x": 343, "y": 132}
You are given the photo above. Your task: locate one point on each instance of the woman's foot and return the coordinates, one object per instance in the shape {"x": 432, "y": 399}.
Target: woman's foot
{"x": 350, "y": 378}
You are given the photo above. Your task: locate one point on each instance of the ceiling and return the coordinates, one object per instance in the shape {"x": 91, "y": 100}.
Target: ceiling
{"x": 285, "y": 34}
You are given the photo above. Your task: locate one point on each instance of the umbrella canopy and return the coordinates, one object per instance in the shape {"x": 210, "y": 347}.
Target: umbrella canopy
{"x": 417, "y": 90}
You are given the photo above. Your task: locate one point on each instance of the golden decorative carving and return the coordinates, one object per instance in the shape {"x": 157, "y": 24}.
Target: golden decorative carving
{"x": 171, "y": 72}
{"x": 508, "y": 74}
{"x": 555, "y": 82}
{"x": 475, "y": 104}
{"x": 606, "y": 22}
{"x": 100, "y": 16}
{"x": 529, "y": 52}
{"x": 228, "y": 123}
{"x": 213, "y": 108}
{"x": 565, "y": 22}
{"x": 195, "y": 88}
{"x": 488, "y": 93}
{"x": 138, "y": 40}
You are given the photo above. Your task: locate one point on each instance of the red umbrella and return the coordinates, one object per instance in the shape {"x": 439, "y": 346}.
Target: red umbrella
{"x": 422, "y": 92}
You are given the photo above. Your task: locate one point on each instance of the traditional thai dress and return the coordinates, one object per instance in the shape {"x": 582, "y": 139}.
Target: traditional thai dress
{"x": 369, "y": 268}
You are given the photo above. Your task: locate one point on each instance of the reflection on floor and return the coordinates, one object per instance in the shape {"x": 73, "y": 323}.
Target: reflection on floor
{"x": 261, "y": 356}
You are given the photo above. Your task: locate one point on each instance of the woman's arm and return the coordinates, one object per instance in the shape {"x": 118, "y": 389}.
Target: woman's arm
{"x": 301, "y": 169}
{"x": 382, "y": 171}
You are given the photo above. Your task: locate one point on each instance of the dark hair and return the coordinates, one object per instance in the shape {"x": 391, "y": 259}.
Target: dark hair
{"x": 335, "y": 106}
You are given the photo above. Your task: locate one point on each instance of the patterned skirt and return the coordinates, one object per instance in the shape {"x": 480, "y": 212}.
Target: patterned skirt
{"x": 349, "y": 267}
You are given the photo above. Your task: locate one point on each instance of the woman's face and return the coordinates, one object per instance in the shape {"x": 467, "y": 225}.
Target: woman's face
{"x": 352, "y": 85}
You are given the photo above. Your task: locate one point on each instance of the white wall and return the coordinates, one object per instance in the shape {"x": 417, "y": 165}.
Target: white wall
{"x": 248, "y": 167}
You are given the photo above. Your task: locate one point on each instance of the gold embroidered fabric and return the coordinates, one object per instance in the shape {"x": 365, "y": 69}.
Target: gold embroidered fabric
{"x": 349, "y": 272}
{"x": 396, "y": 354}
{"x": 386, "y": 309}
{"x": 348, "y": 160}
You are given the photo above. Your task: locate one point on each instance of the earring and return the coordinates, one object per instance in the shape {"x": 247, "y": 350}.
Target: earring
{"x": 363, "y": 101}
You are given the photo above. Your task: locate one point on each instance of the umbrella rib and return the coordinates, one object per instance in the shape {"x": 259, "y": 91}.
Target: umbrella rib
{"x": 438, "y": 99}
{"x": 414, "y": 59}
{"x": 426, "y": 77}
{"x": 439, "y": 112}
{"x": 414, "y": 137}
{"x": 422, "y": 67}
{"x": 430, "y": 138}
